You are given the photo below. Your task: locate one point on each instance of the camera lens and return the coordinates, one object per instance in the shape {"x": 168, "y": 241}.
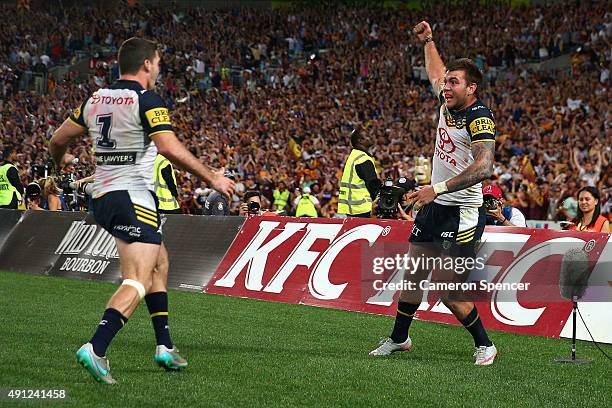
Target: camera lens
{"x": 254, "y": 206}
{"x": 490, "y": 204}
{"x": 388, "y": 198}
{"x": 387, "y": 201}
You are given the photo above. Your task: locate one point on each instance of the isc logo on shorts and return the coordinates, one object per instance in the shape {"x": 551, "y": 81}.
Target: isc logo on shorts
{"x": 130, "y": 229}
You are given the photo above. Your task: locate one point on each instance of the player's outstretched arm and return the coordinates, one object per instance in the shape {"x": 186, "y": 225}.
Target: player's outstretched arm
{"x": 170, "y": 147}
{"x": 433, "y": 63}
{"x": 67, "y": 133}
{"x": 479, "y": 170}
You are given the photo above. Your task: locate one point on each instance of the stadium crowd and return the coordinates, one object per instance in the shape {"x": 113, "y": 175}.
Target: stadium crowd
{"x": 273, "y": 94}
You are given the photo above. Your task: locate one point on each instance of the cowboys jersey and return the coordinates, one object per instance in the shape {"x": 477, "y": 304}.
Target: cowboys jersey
{"x": 456, "y": 132}
{"x": 121, "y": 120}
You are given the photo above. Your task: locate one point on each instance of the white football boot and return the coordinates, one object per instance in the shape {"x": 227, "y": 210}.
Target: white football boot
{"x": 485, "y": 355}
{"x": 387, "y": 346}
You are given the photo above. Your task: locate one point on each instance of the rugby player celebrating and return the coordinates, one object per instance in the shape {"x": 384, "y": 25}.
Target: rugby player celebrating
{"x": 451, "y": 218}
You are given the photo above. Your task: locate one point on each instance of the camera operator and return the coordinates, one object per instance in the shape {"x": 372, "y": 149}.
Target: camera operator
{"x": 217, "y": 203}
{"x": 83, "y": 191}
{"x": 359, "y": 184}
{"x": 497, "y": 213}
{"x": 252, "y": 205}
{"x": 392, "y": 201}
{"x": 64, "y": 182}
{"x": 405, "y": 210}
{"x": 33, "y": 196}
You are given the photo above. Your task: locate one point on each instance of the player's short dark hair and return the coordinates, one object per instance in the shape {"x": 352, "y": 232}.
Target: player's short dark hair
{"x": 473, "y": 75}
{"x": 133, "y": 53}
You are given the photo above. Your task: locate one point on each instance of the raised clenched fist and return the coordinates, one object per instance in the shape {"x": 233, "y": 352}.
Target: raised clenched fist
{"x": 422, "y": 30}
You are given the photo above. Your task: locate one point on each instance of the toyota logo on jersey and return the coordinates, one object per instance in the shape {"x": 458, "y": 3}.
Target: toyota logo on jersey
{"x": 444, "y": 142}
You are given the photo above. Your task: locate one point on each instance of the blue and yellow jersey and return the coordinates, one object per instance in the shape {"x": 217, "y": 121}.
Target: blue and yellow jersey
{"x": 121, "y": 120}
{"x": 457, "y": 131}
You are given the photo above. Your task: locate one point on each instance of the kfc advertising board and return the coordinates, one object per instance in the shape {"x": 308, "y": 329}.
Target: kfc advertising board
{"x": 353, "y": 264}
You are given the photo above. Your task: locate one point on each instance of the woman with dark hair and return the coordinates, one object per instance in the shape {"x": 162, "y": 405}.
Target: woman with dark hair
{"x": 589, "y": 217}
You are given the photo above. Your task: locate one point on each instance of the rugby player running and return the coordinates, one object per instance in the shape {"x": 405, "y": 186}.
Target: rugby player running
{"x": 129, "y": 125}
{"x": 451, "y": 219}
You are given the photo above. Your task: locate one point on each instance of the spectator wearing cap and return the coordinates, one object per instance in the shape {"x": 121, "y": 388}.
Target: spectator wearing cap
{"x": 33, "y": 196}
{"x": 497, "y": 212}
{"x": 306, "y": 205}
{"x": 217, "y": 203}
{"x": 11, "y": 188}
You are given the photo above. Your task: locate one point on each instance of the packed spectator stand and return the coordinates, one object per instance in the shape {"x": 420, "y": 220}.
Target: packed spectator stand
{"x": 274, "y": 92}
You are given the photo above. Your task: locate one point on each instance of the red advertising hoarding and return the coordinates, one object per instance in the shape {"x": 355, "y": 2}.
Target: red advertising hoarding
{"x": 329, "y": 263}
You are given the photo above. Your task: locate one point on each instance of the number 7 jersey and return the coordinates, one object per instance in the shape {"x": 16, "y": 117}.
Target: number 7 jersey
{"x": 121, "y": 120}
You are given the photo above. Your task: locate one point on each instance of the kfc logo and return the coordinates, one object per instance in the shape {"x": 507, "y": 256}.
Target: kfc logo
{"x": 253, "y": 259}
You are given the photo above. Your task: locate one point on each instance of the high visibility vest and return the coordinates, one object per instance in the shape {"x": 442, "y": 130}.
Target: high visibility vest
{"x": 306, "y": 207}
{"x": 595, "y": 228}
{"x": 167, "y": 201}
{"x": 280, "y": 199}
{"x": 354, "y": 198}
{"x": 7, "y": 190}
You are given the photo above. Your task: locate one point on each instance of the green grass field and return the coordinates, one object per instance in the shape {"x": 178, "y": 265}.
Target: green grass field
{"x": 252, "y": 353}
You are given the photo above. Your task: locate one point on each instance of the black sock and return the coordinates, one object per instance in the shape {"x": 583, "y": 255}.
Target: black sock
{"x": 403, "y": 318}
{"x": 157, "y": 303}
{"x": 112, "y": 321}
{"x": 473, "y": 324}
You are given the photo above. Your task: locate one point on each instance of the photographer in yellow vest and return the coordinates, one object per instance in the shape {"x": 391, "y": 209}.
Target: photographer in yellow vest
{"x": 11, "y": 188}
{"x": 359, "y": 184}
{"x": 164, "y": 184}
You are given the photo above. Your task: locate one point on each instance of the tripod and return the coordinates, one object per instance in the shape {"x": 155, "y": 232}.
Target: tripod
{"x": 573, "y": 359}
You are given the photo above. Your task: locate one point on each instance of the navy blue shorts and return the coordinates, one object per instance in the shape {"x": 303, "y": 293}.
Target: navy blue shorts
{"x": 129, "y": 215}
{"x": 455, "y": 230}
